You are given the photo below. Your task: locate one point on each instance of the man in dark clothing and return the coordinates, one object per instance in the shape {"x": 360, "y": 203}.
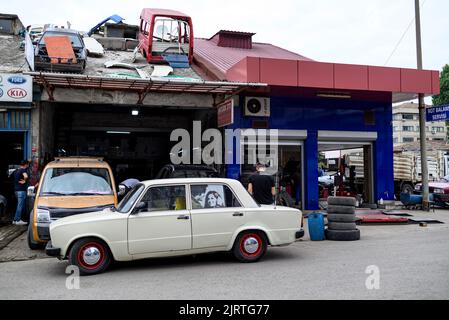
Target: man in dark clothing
{"x": 20, "y": 190}
{"x": 261, "y": 186}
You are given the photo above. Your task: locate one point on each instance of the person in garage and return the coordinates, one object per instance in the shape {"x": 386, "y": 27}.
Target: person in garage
{"x": 261, "y": 186}
{"x": 20, "y": 177}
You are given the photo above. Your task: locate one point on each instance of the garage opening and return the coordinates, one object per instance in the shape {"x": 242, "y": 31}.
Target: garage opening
{"x": 134, "y": 141}
{"x": 345, "y": 169}
{"x": 12, "y": 145}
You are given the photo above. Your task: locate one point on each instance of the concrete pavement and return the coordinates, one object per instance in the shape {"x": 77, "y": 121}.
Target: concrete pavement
{"x": 412, "y": 260}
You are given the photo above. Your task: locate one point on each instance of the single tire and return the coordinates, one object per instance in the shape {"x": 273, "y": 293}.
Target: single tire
{"x": 343, "y": 235}
{"x": 340, "y": 209}
{"x": 341, "y": 218}
{"x": 33, "y": 245}
{"x": 341, "y": 201}
{"x": 341, "y": 226}
{"x": 284, "y": 199}
{"x": 90, "y": 255}
{"x": 407, "y": 188}
{"x": 250, "y": 246}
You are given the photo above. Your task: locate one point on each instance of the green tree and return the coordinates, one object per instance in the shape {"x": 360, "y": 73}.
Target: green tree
{"x": 443, "y": 97}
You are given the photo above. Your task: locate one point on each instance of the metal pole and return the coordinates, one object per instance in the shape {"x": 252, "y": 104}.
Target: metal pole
{"x": 422, "y": 115}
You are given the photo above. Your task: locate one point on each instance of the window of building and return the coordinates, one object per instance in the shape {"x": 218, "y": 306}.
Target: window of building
{"x": 408, "y": 116}
{"x": 408, "y": 128}
{"x": 395, "y": 140}
{"x": 407, "y": 139}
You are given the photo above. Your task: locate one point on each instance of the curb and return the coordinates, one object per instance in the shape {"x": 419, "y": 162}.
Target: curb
{"x": 9, "y": 233}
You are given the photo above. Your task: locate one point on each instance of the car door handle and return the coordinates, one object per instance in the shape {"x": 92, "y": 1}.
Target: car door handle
{"x": 238, "y": 214}
{"x": 183, "y": 218}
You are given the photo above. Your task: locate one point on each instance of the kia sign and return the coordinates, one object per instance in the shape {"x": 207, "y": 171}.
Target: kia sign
{"x": 16, "y": 88}
{"x": 440, "y": 113}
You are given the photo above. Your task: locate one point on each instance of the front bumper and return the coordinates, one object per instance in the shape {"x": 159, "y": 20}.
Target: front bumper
{"x": 299, "y": 234}
{"x": 52, "y": 251}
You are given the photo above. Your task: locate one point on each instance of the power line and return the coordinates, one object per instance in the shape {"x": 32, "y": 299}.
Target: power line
{"x": 402, "y": 37}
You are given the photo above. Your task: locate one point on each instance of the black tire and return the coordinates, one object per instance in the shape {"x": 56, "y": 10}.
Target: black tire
{"x": 2, "y": 209}
{"x": 33, "y": 245}
{"x": 343, "y": 235}
{"x": 284, "y": 199}
{"x": 341, "y": 218}
{"x": 240, "y": 252}
{"x": 341, "y": 226}
{"x": 340, "y": 209}
{"x": 341, "y": 201}
{"x": 77, "y": 257}
{"x": 407, "y": 188}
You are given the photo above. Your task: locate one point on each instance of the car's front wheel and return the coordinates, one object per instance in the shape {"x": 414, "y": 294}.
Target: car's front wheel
{"x": 90, "y": 255}
{"x": 250, "y": 246}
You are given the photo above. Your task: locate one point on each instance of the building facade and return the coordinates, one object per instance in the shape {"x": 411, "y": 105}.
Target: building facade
{"x": 406, "y": 125}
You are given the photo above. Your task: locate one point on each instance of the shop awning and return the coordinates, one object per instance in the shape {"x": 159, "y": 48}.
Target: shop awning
{"x": 78, "y": 81}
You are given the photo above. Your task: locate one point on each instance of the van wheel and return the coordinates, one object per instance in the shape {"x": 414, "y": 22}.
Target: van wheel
{"x": 90, "y": 255}
{"x": 33, "y": 245}
{"x": 250, "y": 246}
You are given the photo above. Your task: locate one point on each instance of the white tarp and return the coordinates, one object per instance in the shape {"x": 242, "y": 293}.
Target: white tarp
{"x": 94, "y": 48}
{"x": 15, "y": 87}
{"x": 29, "y": 51}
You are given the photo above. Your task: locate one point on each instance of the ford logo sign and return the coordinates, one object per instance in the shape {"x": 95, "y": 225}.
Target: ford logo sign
{"x": 17, "y": 80}
{"x": 17, "y": 93}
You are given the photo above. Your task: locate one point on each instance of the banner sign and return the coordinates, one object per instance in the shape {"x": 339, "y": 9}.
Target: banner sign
{"x": 440, "y": 113}
{"x": 29, "y": 51}
{"x": 15, "y": 87}
{"x": 225, "y": 113}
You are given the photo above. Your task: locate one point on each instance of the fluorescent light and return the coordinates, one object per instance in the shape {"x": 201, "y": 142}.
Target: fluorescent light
{"x": 3, "y": 110}
{"x": 135, "y": 112}
{"x": 334, "y": 95}
{"x": 119, "y": 132}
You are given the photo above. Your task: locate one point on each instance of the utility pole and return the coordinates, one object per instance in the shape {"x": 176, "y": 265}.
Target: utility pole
{"x": 422, "y": 116}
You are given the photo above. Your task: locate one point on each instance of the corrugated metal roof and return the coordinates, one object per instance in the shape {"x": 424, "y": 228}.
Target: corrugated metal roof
{"x": 224, "y": 58}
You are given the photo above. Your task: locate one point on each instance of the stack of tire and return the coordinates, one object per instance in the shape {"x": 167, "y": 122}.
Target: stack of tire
{"x": 341, "y": 219}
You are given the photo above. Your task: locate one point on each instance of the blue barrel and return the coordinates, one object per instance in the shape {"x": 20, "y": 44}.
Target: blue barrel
{"x": 316, "y": 226}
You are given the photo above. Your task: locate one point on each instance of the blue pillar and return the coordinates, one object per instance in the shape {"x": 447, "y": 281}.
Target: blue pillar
{"x": 311, "y": 170}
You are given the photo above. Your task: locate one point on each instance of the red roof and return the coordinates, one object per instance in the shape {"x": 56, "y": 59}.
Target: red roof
{"x": 221, "y": 59}
{"x": 147, "y": 12}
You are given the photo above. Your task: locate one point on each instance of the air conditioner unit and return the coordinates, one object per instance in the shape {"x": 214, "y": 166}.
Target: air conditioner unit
{"x": 257, "y": 106}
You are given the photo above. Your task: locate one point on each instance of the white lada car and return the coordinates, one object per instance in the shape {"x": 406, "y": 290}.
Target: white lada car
{"x": 161, "y": 218}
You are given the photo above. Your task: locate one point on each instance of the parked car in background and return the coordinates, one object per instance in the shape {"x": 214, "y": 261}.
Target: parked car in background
{"x": 186, "y": 171}
{"x": 69, "y": 186}
{"x": 173, "y": 217}
{"x": 440, "y": 191}
{"x": 43, "y": 60}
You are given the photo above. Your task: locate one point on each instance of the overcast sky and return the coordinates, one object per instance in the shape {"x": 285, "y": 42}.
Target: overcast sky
{"x": 345, "y": 31}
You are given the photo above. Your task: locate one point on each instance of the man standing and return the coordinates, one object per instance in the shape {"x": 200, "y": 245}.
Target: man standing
{"x": 261, "y": 186}
{"x": 20, "y": 190}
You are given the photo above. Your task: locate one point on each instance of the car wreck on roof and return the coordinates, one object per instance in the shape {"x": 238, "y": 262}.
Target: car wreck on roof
{"x": 61, "y": 50}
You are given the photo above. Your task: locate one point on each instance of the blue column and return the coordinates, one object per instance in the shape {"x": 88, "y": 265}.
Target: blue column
{"x": 311, "y": 170}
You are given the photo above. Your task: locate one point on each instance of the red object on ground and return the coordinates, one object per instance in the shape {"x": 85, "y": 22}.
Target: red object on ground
{"x": 380, "y": 218}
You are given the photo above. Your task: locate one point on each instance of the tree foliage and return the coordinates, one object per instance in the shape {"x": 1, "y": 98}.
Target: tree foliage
{"x": 443, "y": 97}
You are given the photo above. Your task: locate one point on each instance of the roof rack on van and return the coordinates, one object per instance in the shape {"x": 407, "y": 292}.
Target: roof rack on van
{"x": 77, "y": 158}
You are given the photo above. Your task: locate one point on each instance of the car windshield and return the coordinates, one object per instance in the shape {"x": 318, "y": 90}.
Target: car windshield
{"x": 74, "y": 38}
{"x": 127, "y": 202}
{"x": 76, "y": 181}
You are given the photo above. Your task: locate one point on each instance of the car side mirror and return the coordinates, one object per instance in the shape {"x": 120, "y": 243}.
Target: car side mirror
{"x": 140, "y": 207}
{"x": 121, "y": 190}
{"x": 31, "y": 191}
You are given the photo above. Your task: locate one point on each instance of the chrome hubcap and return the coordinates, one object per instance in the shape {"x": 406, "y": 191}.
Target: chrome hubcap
{"x": 251, "y": 245}
{"x": 91, "y": 255}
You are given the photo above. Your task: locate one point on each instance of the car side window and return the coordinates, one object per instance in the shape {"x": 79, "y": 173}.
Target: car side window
{"x": 206, "y": 196}
{"x": 165, "y": 198}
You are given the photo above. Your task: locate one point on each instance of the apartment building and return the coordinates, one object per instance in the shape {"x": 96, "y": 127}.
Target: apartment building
{"x": 406, "y": 125}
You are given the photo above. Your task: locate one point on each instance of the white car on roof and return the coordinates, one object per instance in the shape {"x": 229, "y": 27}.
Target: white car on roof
{"x": 172, "y": 217}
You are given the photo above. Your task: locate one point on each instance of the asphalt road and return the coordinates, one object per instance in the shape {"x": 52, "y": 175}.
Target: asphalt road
{"x": 413, "y": 263}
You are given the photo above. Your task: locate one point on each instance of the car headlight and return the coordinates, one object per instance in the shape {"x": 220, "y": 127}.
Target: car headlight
{"x": 418, "y": 187}
{"x": 43, "y": 216}
{"x": 438, "y": 190}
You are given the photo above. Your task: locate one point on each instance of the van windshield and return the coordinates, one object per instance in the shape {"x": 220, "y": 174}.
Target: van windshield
{"x": 76, "y": 181}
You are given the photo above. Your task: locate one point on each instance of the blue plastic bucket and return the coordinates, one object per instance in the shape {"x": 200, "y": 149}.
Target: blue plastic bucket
{"x": 316, "y": 226}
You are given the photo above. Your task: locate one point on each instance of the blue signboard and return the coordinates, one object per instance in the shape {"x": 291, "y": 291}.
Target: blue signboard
{"x": 440, "y": 113}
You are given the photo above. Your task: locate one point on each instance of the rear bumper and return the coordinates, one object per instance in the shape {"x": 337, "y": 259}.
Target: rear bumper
{"x": 299, "y": 234}
{"x": 52, "y": 251}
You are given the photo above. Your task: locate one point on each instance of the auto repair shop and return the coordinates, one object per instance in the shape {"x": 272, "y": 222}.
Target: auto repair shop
{"x": 315, "y": 106}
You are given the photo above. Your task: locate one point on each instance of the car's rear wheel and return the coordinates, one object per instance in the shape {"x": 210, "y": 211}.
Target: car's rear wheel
{"x": 90, "y": 255}
{"x": 250, "y": 246}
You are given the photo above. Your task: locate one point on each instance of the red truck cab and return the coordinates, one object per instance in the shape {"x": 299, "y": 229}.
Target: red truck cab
{"x": 165, "y": 31}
